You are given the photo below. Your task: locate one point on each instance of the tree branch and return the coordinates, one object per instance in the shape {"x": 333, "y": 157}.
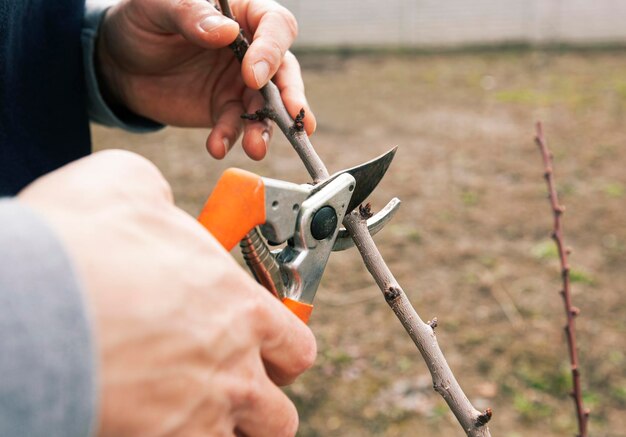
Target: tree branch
{"x": 570, "y": 311}
{"x": 473, "y": 422}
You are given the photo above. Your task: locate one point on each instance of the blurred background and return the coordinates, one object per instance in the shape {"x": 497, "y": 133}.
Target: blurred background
{"x": 436, "y": 23}
{"x": 458, "y": 87}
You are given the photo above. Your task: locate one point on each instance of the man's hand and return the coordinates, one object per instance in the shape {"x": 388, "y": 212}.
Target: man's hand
{"x": 188, "y": 344}
{"x": 169, "y": 60}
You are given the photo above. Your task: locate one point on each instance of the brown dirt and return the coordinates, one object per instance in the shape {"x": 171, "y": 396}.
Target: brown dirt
{"x": 471, "y": 243}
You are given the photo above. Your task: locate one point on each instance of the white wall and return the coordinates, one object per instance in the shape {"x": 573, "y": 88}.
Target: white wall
{"x": 424, "y": 23}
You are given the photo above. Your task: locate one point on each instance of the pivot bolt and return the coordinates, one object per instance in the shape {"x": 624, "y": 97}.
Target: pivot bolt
{"x": 324, "y": 223}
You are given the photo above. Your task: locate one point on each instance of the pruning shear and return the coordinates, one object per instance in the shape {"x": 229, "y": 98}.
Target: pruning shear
{"x": 260, "y": 212}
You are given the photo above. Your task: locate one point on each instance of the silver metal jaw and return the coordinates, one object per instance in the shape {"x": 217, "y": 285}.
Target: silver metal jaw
{"x": 283, "y": 201}
{"x": 304, "y": 259}
{"x": 295, "y": 271}
{"x": 307, "y": 218}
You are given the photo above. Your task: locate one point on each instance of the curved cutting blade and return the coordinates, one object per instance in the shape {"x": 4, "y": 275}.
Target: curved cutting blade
{"x": 367, "y": 177}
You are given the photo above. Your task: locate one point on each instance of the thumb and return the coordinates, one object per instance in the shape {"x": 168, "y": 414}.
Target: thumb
{"x": 196, "y": 20}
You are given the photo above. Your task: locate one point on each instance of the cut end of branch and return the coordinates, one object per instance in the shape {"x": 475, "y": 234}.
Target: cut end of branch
{"x": 484, "y": 418}
{"x": 392, "y": 293}
{"x": 365, "y": 211}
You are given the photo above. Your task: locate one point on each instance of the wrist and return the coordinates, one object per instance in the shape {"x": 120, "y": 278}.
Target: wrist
{"x": 107, "y": 71}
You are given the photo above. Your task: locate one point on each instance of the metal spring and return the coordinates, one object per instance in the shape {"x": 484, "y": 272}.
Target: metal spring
{"x": 262, "y": 263}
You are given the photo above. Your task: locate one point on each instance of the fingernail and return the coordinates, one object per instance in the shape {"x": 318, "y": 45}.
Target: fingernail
{"x": 213, "y": 22}
{"x": 226, "y": 143}
{"x": 261, "y": 71}
{"x": 266, "y": 139}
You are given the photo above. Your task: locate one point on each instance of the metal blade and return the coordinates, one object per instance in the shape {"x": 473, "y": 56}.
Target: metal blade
{"x": 374, "y": 224}
{"x": 368, "y": 176}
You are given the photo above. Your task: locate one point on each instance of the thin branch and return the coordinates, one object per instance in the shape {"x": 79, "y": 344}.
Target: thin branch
{"x": 276, "y": 111}
{"x": 570, "y": 310}
{"x": 473, "y": 422}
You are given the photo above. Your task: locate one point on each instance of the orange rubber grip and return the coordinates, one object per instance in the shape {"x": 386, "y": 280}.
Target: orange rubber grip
{"x": 300, "y": 309}
{"x": 235, "y": 207}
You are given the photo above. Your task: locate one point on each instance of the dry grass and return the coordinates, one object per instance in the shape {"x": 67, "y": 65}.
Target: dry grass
{"x": 471, "y": 243}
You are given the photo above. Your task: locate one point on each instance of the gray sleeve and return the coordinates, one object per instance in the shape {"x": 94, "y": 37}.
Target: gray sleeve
{"x": 97, "y": 107}
{"x": 47, "y": 376}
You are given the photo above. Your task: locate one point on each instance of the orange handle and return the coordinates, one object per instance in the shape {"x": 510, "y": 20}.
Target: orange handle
{"x": 300, "y": 309}
{"x": 235, "y": 207}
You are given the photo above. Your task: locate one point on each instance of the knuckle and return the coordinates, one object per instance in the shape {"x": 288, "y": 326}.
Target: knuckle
{"x": 290, "y": 57}
{"x": 310, "y": 353}
{"x": 140, "y": 175}
{"x": 291, "y": 420}
{"x": 183, "y": 5}
{"x": 126, "y": 163}
{"x": 291, "y": 24}
{"x": 256, "y": 309}
{"x": 185, "y": 12}
{"x": 248, "y": 394}
{"x": 275, "y": 50}
{"x": 263, "y": 314}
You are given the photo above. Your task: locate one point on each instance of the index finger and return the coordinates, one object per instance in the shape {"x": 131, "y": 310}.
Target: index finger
{"x": 288, "y": 346}
{"x": 274, "y": 29}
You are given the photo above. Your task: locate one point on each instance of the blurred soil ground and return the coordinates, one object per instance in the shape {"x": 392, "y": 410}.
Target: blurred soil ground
{"x": 471, "y": 242}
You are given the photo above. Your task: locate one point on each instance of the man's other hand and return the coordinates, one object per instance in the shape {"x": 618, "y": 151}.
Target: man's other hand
{"x": 169, "y": 60}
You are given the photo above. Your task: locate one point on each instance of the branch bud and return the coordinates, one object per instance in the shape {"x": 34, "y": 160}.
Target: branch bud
{"x": 484, "y": 418}
{"x": 392, "y": 293}
{"x": 259, "y": 115}
{"x": 298, "y": 122}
